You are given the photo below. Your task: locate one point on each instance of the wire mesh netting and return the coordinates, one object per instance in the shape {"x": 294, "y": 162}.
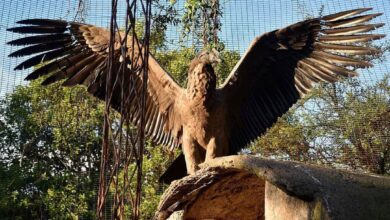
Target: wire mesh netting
{"x": 241, "y": 22}
{"x": 343, "y": 125}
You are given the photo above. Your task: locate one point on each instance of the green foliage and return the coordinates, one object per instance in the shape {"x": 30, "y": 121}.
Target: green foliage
{"x": 201, "y": 19}
{"x": 49, "y": 144}
{"x": 357, "y": 127}
{"x": 50, "y": 140}
{"x": 286, "y": 139}
{"x": 50, "y": 137}
{"x": 66, "y": 202}
{"x": 342, "y": 125}
{"x": 156, "y": 160}
{"x": 176, "y": 62}
{"x": 228, "y": 60}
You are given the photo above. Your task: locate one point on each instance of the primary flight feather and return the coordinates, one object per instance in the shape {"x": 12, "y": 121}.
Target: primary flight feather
{"x": 278, "y": 68}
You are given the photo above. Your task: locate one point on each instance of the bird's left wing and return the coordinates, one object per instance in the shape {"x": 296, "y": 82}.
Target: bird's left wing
{"x": 281, "y": 66}
{"x": 78, "y": 54}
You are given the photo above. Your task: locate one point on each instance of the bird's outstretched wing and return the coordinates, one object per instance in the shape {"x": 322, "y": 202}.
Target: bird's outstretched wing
{"x": 78, "y": 54}
{"x": 281, "y": 66}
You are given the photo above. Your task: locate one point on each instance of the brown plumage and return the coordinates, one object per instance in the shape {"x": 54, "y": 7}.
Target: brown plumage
{"x": 278, "y": 68}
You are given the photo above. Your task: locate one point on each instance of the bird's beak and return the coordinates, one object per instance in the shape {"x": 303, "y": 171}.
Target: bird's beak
{"x": 217, "y": 55}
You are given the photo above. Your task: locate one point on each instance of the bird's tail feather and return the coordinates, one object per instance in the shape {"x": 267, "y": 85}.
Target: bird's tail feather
{"x": 176, "y": 170}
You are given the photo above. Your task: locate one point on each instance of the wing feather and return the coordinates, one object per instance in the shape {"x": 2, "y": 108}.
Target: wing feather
{"x": 345, "y": 49}
{"x": 78, "y": 53}
{"x": 283, "y": 65}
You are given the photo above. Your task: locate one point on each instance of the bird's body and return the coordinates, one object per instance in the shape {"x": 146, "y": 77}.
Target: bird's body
{"x": 278, "y": 68}
{"x": 204, "y": 128}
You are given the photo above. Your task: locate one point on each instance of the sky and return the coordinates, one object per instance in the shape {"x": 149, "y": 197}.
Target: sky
{"x": 242, "y": 21}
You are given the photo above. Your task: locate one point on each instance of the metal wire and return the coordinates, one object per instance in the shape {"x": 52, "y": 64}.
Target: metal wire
{"x": 242, "y": 21}
{"x": 118, "y": 151}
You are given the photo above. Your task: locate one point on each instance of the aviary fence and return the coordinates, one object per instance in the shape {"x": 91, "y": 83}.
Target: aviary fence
{"x": 343, "y": 125}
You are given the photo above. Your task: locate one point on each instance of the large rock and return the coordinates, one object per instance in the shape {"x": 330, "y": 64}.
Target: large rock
{"x": 245, "y": 187}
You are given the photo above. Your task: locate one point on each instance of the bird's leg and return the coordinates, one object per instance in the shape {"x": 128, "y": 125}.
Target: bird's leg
{"x": 211, "y": 151}
{"x": 215, "y": 149}
{"x": 190, "y": 154}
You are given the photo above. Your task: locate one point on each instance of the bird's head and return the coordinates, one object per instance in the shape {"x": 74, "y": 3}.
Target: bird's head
{"x": 209, "y": 56}
{"x": 201, "y": 72}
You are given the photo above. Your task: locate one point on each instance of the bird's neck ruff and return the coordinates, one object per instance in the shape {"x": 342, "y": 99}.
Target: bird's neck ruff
{"x": 201, "y": 80}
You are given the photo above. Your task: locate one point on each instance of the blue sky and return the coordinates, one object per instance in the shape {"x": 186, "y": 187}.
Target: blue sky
{"x": 241, "y": 22}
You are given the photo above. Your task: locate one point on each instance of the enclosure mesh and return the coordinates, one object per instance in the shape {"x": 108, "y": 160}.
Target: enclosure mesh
{"x": 242, "y": 21}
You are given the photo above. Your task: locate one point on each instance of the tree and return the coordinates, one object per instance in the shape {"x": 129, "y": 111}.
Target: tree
{"x": 50, "y": 137}
{"x": 341, "y": 125}
{"x": 49, "y": 144}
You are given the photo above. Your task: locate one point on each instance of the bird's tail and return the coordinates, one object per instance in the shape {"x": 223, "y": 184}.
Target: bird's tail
{"x": 176, "y": 170}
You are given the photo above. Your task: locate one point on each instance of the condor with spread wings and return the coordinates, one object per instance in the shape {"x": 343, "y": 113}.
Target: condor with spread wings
{"x": 278, "y": 68}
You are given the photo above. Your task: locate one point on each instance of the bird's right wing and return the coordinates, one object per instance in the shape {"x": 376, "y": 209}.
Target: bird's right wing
{"x": 78, "y": 53}
{"x": 283, "y": 65}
